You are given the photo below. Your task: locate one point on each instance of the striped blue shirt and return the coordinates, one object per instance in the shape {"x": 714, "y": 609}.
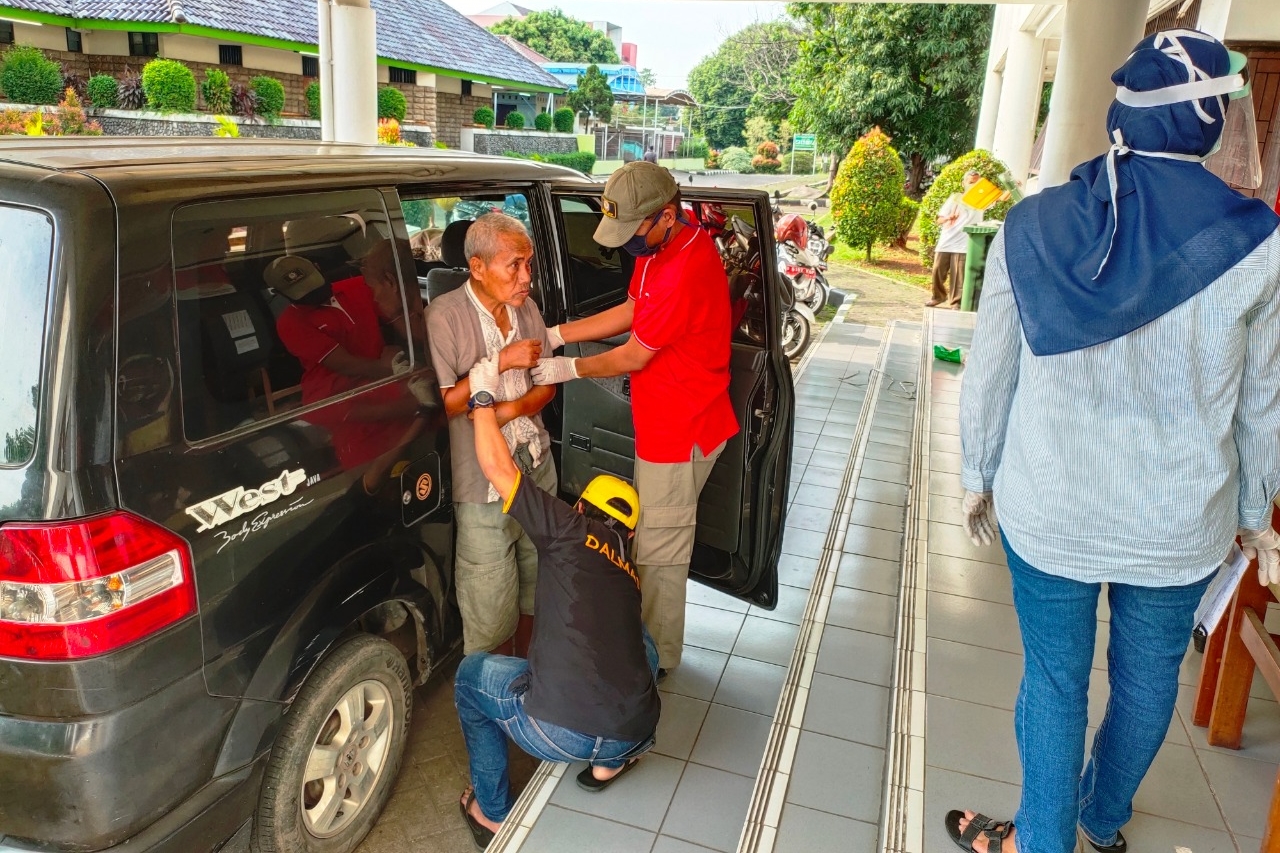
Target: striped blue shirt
{"x": 1132, "y": 461}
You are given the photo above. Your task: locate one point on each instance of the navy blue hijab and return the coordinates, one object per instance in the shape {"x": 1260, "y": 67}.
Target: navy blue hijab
{"x": 1080, "y": 282}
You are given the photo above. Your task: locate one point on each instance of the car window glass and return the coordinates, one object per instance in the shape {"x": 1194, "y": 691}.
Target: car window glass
{"x": 437, "y": 226}
{"x": 287, "y": 302}
{"x": 26, "y": 245}
{"x": 598, "y": 277}
{"x": 733, "y": 229}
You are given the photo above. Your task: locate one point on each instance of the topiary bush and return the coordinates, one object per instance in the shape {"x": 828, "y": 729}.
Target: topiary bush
{"x": 543, "y": 122}
{"x": 30, "y": 77}
{"x": 129, "y": 93}
{"x": 104, "y": 92}
{"x": 951, "y": 180}
{"x": 169, "y": 85}
{"x": 270, "y": 96}
{"x": 216, "y": 90}
{"x": 563, "y": 120}
{"x": 736, "y": 159}
{"x": 583, "y": 161}
{"x": 312, "y": 96}
{"x": 483, "y": 117}
{"x": 867, "y": 191}
{"x": 514, "y": 120}
{"x": 391, "y": 103}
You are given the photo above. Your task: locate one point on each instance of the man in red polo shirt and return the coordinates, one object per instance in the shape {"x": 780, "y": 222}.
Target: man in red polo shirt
{"x": 678, "y": 357}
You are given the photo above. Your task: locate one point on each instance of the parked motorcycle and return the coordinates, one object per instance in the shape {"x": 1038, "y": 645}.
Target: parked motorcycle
{"x": 798, "y": 264}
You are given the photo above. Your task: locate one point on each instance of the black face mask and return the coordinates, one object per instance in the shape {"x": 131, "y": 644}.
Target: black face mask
{"x": 320, "y": 296}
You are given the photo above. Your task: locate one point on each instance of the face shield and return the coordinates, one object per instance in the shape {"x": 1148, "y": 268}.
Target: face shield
{"x": 1236, "y": 159}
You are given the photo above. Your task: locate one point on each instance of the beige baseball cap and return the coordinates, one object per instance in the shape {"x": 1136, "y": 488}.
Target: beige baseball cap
{"x": 633, "y": 193}
{"x": 293, "y": 276}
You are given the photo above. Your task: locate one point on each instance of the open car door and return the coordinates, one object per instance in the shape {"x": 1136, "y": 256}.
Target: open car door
{"x": 743, "y": 506}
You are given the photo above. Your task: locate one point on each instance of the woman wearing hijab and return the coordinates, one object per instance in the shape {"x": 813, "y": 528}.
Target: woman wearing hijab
{"x": 1122, "y": 402}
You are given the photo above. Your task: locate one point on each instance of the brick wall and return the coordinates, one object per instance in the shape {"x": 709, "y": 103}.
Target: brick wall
{"x": 453, "y": 112}
{"x": 420, "y": 106}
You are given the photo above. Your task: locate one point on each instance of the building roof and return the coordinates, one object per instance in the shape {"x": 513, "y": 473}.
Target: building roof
{"x": 524, "y": 50}
{"x": 623, "y": 79}
{"x": 509, "y": 9}
{"x": 427, "y": 33}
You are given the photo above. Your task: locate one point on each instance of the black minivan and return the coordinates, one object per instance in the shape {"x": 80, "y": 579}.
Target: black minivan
{"x": 223, "y": 571}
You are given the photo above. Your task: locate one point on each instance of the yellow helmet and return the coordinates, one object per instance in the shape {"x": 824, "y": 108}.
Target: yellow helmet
{"x": 615, "y": 498}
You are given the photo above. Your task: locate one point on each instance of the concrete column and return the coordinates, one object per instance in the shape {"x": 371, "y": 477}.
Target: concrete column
{"x": 1097, "y": 37}
{"x": 1214, "y": 15}
{"x": 989, "y": 112}
{"x": 349, "y": 58}
{"x": 1019, "y": 102}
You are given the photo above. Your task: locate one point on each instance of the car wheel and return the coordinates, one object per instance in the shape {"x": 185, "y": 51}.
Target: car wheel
{"x": 338, "y": 752}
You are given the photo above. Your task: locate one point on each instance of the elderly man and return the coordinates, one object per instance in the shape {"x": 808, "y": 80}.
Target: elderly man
{"x": 953, "y": 245}
{"x": 678, "y": 316}
{"x": 496, "y": 564}
{"x": 1122, "y": 401}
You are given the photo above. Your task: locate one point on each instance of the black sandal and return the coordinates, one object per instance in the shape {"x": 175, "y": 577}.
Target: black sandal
{"x": 1120, "y": 845}
{"x": 481, "y": 835}
{"x": 995, "y": 831}
{"x": 588, "y": 782}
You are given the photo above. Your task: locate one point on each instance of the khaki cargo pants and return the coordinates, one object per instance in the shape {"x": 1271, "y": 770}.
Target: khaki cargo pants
{"x": 664, "y": 544}
{"x": 495, "y": 568}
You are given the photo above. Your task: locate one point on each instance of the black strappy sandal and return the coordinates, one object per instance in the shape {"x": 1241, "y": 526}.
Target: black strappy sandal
{"x": 995, "y": 831}
{"x": 481, "y": 835}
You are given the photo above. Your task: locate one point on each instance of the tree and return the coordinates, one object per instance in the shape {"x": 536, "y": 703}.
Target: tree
{"x": 951, "y": 180}
{"x": 558, "y": 37}
{"x": 648, "y": 78}
{"x": 592, "y": 96}
{"x": 758, "y": 129}
{"x": 868, "y": 190}
{"x": 916, "y": 70}
{"x": 747, "y": 76}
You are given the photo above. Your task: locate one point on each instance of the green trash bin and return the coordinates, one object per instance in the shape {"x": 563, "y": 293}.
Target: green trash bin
{"x": 975, "y": 263}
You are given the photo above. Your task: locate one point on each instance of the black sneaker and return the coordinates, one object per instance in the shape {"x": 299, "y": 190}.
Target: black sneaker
{"x": 662, "y": 674}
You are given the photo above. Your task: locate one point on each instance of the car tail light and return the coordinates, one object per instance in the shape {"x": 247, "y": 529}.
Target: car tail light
{"x": 81, "y": 588}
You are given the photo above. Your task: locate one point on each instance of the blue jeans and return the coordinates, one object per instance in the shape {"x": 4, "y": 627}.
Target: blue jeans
{"x": 1150, "y": 628}
{"x": 491, "y": 711}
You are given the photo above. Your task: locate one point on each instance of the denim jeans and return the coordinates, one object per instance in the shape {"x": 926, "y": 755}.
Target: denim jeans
{"x": 490, "y": 712}
{"x": 1150, "y": 628}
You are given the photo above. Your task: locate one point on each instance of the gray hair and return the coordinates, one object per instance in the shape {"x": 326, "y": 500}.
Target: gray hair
{"x": 485, "y": 236}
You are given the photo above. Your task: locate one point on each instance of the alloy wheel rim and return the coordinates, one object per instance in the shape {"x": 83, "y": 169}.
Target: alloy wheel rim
{"x": 347, "y": 759}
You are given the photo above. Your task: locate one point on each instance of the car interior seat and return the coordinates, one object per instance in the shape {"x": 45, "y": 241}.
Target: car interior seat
{"x": 453, "y": 253}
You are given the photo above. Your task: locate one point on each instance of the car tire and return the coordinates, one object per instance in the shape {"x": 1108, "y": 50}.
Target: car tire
{"x": 347, "y": 731}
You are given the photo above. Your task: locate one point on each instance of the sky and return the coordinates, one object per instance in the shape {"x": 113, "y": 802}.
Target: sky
{"x": 671, "y": 37}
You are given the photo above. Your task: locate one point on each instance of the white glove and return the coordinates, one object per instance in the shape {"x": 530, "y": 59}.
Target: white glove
{"x": 553, "y": 371}
{"x": 484, "y": 376}
{"x": 554, "y": 336}
{"x": 1265, "y": 545}
{"x": 980, "y": 517}
{"x": 421, "y": 389}
{"x": 399, "y": 364}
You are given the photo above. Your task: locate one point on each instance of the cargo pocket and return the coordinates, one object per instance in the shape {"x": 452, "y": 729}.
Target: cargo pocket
{"x": 665, "y": 535}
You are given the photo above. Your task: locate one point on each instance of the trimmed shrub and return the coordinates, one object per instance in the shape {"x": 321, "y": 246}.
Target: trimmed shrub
{"x": 483, "y": 117}
{"x": 766, "y": 160}
{"x": 514, "y": 120}
{"x": 226, "y": 128}
{"x": 951, "y": 180}
{"x": 736, "y": 159}
{"x": 129, "y": 94}
{"x": 30, "y": 77}
{"x": 803, "y": 162}
{"x": 169, "y": 85}
{"x": 392, "y": 103}
{"x": 312, "y": 95}
{"x": 867, "y": 191}
{"x": 563, "y": 119}
{"x": 542, "y": 122}
{"x": 583, "y": 161}
{"x": 244, "y": 101}
{"x": 216, "y": 90}
{"x": 713, "y": 159}
{"x": 691, "y": 148}
{"x": 104, "y": 91}
{"x": 270, "y": 96}
{"x": 389, "y": 133}
{"x": 440, "y": 143}
{"x": 908, "y": 210}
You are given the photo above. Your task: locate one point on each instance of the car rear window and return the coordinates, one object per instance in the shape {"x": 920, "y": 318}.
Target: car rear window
{"x": 26, "y": 247}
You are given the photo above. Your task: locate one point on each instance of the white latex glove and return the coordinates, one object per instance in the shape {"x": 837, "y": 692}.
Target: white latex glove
{"x": 553, "y": 371}
{"x": 421, "y": 389}
{"x": 399, "y": 364}
{"x": 1265, "y": 545}
{"x": 484, "y": 376}
{"x": 553, "y": 335}
{"x": 980, "y": 517}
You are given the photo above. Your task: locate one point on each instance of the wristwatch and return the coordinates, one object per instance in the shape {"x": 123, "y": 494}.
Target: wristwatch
{"x": 481, "y": 400}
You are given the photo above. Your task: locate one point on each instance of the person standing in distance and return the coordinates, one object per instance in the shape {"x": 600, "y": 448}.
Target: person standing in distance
{"x": 677, "y": 312}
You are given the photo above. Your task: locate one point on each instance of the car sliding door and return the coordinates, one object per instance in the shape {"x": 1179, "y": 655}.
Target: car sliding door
{"x": 742, "y": 508}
